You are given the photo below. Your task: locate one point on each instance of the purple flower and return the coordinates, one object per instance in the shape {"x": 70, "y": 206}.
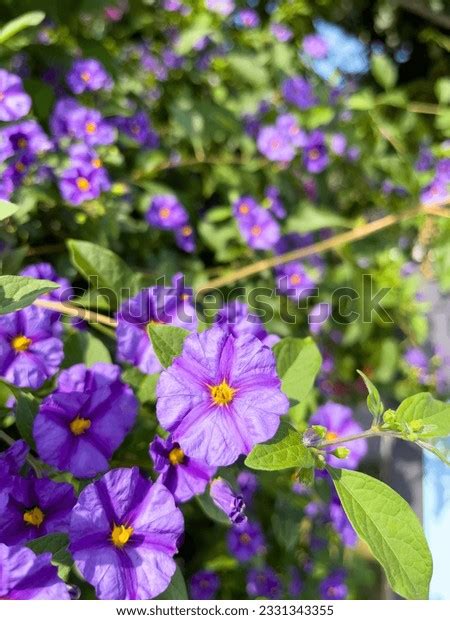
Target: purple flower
{"x": 341, "y": 524}
{"x": 138, "y": 128}
{"x": 425, "y": 160}
{"x": 333, "y": 587}
{"x": 318, "y": 316}
{"x": 248, "y": 485}
{"x": 261, "y": 231}
{"x": 245, "y": 541}
{"x": 293, "y": 280}
{"x": 436, "y": 191}
{"x": 183, "y": 476}
{"x": 81, "y": 156}
{"x": 158, "y": 304}
{"x": 288, "y": 125}
{"x": 418, "y": 360}
{"x": 88, "y": 75}
{"x": 124, "y": 533}
{"x": 166, "y": 212}
{"x": 263, "y": 582}
{"x": 85, "y": 420}
{"x": 339, "y": 422}
{"x": 89, "y": 126}
{"x": 26, "y": 137}
{"x": 221, "y": 396}
{"x": 244, "y": 207}
{"x": 235, "y": 317}
{"x": 80, "y": 184}
{"x": 315, "y": 156}
{"x": 45, "y": 271}
{"x": 223, "y": 7}
{"x": 204, "y": 585}
{"x": 34, "y": 507}
{"x": 443, "y": 170}
{"x": 247, "y": 18}
{"x": 227, "y": 501}
{"x": 338, "y": 144}
{"x": 299, "y": 92}
{"x": 60, "y": 117}
{"x": 14, "y": 102}
{"x": 272, "y": 201}
{"x": 314, "y": 46}
{"x": 185, "y": 238}
{"x": 275, "y": 145}
{"x": 25, "y": 576}
{"x": 30, "y": 353}
{"x": 281, "y": 32}
{"x": 11, "y": 462}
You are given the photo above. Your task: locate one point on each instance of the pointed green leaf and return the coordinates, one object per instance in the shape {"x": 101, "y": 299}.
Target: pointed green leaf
{"x": 422, "y": 407}
{"x": 176, "y": 591}
{"x": 283, "y": 451}
{"x": 56, "y": 544}
{"x": 13, "y": 27}
{"x": 391, "y": 529}
{"x": 17, "y": 292}
{"x": 167, "y": 341}
{"x": 298, "y": 362}
{"x": 7, "y": 209}
{"x": 374, "y": 403}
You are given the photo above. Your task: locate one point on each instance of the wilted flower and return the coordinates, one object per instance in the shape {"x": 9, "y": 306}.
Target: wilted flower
{"x": 124, "y": 533}
{"x": 221, "y": 396}
{"x": 227, "y": 501}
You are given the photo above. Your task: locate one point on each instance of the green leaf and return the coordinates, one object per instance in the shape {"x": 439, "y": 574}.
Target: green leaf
{"x": 103, "y": 269}
{"x": 57, "y": 545}
{"x": 384, "y": 70}
{"x": 10, "y": 29}
{"x": 374, "y": 403}
{"x": 391, "y": 529}
{"x": 201, "y": 27}
{"x": 298, "y": 362}
{"x": 7, "y": 209}
{"x": 25, "y": 411}
{"x": 283, "y": 451}
{"x": 17, "y": 292}
{"x": 83, "y": 347}
{"x": 312, "y": 218}
{"x": 211, "y": 510}
{"x": 424, "y": 408}
{"x": 176, "y": 590}
{"x": 167, "y": 341}
{"x": 442, "y": 89}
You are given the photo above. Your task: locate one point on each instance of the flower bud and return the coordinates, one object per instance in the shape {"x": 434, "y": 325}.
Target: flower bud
{"x": 341, "y": 452}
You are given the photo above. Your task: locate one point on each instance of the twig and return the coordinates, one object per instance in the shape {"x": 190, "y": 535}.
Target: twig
{"x": 81, "y": 313}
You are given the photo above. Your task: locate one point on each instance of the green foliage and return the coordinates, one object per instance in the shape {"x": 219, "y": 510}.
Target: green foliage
{"x": 167, "y": 341}
{"x": 283, "y": 451}
{"x": 176, "y": 590}
{"x": 424, "y": 415}
{"x": 13, "y": 27}
{"x": 83, "y": 347}
{"x": 384, "y": 70}
{"x": 17, "y": 292}
{"x": 298, "y": 362}
{"x": 57, "y": 545}
{"x": 391, "y": 529}
{"x": 374, "y": 403}
{"x": 7, "y": 209}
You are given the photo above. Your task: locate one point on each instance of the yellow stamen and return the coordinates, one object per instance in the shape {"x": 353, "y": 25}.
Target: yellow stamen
{"x": 295, "y": 279}
{"x": 20, "y": 166}
{"x": 135, "y": 129}
{"x": 186, "y": 231}
{"x": 331, "y": 436}
{"x": 96, "y": 162}
{"x": 35, "y": 517}
{"x": 91, "y": 127}
{"x": 85, "y": 76}
{"x": 120, "y": 535}
{"x": 256, "y": 230}
{"x": 184, "y": 297}
{"x": 176, "y": 456}
{"x": 78, "y": 426}
{"x": 21, "y": 343}
{"x": 244, "y": 208}
{"x": 164, "y": 213}
{"x": 83, "y": 184}
{"x": 22, "y": 143}
{"x": 314, "y": 154}
{"x": 245, "y": 539}
{"x": 222, "y": 394}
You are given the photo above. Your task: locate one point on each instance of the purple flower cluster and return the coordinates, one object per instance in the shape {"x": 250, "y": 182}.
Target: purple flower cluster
{"x": 256, "y": 223}
{"x": 167, "y": 213}
{"x": 88, "y": 75}
{"x": 438, "y": 190}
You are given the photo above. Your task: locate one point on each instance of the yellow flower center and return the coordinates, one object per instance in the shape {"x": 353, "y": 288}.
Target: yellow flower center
{"x": 91, "y": 127}
{"x": 245, "y": 539}
{"x": 83, "y": 184}
{"x": 21, "y": 343}
{"x": 314, "y": 154}
{"x": 78, "y": 426}
{"x": 20, "y": 166}
{"x": 256, "y": 230}
{"x": 120, "y": 535}
{"x": 164, "y": 213}
{"x": 295, "y": 279}
{"x": 22, "y": 143}
{"x": 176, "y": 456}
{"x": 244, "y": 208}
{"x": 2, "y": 96}
{"x": 96, "y": 162}
{"x": 35, "y": 517}
{"x": 85, "y": 76}
{"x": 331, "y": 436}
{"x": 186, "y": 231}
{"x": 135, "y": 129}
{"x": 222, "y": 394}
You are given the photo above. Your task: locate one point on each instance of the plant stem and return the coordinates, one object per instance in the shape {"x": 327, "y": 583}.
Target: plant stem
{"x": 66, "y": 308}
{"x": 339, "y": 440}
